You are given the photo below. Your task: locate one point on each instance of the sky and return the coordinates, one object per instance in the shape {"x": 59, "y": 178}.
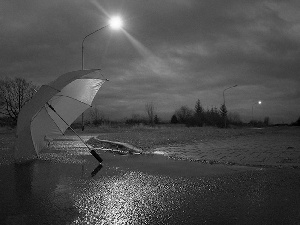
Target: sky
{"x": 169, "y": 52}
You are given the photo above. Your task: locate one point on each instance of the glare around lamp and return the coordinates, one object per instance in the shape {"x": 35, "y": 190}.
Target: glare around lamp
{"x": 115, "y": 23}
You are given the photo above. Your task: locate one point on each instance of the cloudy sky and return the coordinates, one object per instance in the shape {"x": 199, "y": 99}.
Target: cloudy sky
{"x": 169, "y": 52}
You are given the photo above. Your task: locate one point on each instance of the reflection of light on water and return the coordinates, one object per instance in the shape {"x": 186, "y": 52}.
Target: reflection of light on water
{"x": 159, "y": 153}
{"x": 132, "y": 198}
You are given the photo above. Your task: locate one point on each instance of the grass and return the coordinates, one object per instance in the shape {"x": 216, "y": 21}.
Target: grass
{"x": 147, "y": 138}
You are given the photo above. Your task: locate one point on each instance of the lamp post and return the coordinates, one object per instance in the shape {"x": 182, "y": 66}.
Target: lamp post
{"x": 115, "y": 23}
{"x": 259, "y": 103}
{"x": 225, "y": 90}
{"x": 224, "y": 101}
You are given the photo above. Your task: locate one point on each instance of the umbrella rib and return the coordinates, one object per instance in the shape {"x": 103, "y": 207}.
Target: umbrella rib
{"x": 51, "y": 87}
{"x": 75, "y": 99}
{"x": 54, "y": 121}
{"x": 36, "y": 114}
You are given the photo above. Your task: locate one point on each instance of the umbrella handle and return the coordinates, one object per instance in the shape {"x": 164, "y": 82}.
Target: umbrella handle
{"x": 93, "y": 152}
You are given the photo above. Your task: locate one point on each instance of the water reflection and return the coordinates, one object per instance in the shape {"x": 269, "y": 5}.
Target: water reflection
{"x": 56, "y": 192}
{"x": 16, "y": 192}
{"x": 129, "y": 198}
{"x": 36, "y": 192}
{"x": 23, "y": 182}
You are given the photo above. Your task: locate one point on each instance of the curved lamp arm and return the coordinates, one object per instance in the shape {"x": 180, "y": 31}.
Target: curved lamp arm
{"x": 82, "y": 55}
{"x": 224, "y": 92}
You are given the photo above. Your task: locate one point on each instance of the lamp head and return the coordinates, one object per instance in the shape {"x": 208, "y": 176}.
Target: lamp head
{"x": 115, "y": 23}
{"x": 259, "y": 102}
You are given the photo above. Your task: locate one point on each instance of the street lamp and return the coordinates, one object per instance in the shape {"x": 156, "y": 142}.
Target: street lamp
{"x": 224, "y": 101}
{"x": 225, "y": 90}
{"x": 115, "y": 23}
{"x": 256, "y": 103}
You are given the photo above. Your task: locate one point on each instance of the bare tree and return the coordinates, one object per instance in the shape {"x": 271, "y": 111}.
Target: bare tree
{"x": 149, "y": 107}
{"x": 267, "y": 121}
{"x": 14, "y": 94}
{"x": 234, "y": 118}
{"x": 97, "y": 118}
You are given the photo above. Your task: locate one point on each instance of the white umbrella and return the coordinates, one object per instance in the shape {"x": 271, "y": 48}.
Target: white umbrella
{"x": 53, "y": 108}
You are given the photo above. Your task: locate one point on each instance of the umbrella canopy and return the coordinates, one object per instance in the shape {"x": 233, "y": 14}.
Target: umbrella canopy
{"x": 53, "y": 108}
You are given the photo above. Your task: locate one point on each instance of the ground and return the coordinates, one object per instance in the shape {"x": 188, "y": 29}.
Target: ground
{"x": 66, "y": 185}
{"x": 272, "y": 146}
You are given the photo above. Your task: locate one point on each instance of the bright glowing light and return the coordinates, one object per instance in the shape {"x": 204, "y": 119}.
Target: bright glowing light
{"x": 259, "y": 102}
{"x": 115, "y": 23}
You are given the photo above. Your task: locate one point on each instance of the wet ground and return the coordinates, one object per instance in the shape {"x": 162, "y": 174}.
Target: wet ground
{"x": 59, "y": 188}
{"x": 266, "y": 147}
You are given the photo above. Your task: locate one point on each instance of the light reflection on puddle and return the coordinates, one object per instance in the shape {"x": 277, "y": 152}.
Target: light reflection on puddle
{"x": 57, "y": 189}
{"x": 129, "y": 198}
{"x": 160, "y": 153}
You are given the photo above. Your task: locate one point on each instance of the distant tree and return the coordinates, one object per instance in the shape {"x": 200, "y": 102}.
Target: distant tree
{"x": 174, "y": 119}
{"x": 296, "y": 123}
{"x": 199, "y": 114}
{"x": 223, "y": 114}
{"x": 257, "y": 123}
{"x": 234, "y": 118}
{"x": 136, "y": 119}
{"x": 156, "y": 119}
{"x": 97, "y": 118}
{"x": 267, "y": 121}
{"x": 14, "y": 94}
{"x": 149, "y": 107}
{"x": 213, "y": 117}
{"x": 184, "y": 114}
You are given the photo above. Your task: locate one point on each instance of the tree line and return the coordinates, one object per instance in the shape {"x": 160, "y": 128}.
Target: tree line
{"x": 199, "y": 116}
{"x": 16, "y": 92}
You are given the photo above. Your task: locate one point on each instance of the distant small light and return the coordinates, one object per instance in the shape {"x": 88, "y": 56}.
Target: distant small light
{"x": 259, "y": 102}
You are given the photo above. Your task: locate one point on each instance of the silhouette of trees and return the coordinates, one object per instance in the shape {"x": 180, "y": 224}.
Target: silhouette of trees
{"x": 136, "y": 119}
{"x": 297, "y": 122}
{"x": 184, "y": 114}
{"x": 14, "y": 94}
{"x": 174, "y": 119}
{"x": 223, "y": 114}
{"x": 209, "y": 117}
{"x": 234, "y": 119}
{"x": 149, "y": 107}
{"x": 156, "y": 119}
{"x": 96, "y": 117}
{"x": 213, "y": 117}
{"x": 266, "y": 121}
{"x": 199, "y": 116}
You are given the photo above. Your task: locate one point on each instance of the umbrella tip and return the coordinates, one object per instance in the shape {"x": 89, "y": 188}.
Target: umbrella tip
{"x": 104, "y": 77}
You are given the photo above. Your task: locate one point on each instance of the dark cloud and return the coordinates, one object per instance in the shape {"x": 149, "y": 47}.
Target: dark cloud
{"x": 171, "y": 53}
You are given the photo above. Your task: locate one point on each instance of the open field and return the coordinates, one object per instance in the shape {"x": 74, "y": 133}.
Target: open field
{"x": 147, "y": 138}
{"x": 150, "y": 188}
{"x": 267, "y": 147}
{"x": 275, "y": 146}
